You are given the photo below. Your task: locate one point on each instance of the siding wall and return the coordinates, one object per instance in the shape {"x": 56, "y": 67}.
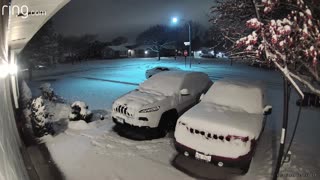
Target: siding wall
{"x": 11, "y": 163}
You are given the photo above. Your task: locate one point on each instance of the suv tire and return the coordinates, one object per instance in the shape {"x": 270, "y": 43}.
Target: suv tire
{"x": 167, "y": 122}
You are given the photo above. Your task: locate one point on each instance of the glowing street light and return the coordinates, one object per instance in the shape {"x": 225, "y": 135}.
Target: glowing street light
{"x": 146, "y": 52}
{"x": 175, "y": 20}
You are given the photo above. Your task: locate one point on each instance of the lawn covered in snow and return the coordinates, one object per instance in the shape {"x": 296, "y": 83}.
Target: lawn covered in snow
{"x": 95, "y": 151}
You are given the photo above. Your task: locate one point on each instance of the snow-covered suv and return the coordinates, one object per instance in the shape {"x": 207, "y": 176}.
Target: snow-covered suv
{"x": 153, "y": 71}
{"x": 155, "y": 106}
{"x": 224, "y": 127}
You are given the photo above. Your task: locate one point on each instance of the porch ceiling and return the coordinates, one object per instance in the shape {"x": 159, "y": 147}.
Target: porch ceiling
{"x": 21, "y": 30}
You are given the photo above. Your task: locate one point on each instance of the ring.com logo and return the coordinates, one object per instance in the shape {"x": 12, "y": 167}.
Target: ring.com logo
{"x": 21, "y": 11}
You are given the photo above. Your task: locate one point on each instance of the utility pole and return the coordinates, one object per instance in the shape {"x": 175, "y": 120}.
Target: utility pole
{"x": 286, "y": 95}
{"x": 175, "y": 20}
{"x": 190, "y": 38}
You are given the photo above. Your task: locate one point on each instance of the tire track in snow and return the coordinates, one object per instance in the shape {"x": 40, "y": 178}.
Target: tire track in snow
{"x": 107, "y": 80}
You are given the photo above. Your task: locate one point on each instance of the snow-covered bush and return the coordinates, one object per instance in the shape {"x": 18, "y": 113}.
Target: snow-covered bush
{"x": 39, "y": 118}
{"x": 47, "y": 92}
{"x": 80, "y": 111}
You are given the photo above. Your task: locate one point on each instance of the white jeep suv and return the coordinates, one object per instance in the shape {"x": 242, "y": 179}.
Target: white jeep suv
{"x": 155, "y": 106}
{"x": 225, "y": 126}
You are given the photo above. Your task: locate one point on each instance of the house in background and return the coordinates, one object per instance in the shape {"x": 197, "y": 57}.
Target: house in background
{"x": 130, "y": 46}
{"x": 169, "y": 51}
{"x": 115, "y": 52}
{"x": 143, "y": 51}
{"x": 132, "y": 50}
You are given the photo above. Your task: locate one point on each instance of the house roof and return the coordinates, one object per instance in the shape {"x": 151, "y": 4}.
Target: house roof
{"x": 142, "y": 47}
{"x": 128, "y": 44}
{"x": 118, "y": 48}
{"x": 145, "y": 47}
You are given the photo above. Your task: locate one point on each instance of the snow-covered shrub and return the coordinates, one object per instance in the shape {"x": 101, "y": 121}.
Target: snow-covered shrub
{"x": 47, "y": 92}
{"x": 80, "y": 111}
{"x": 39, "y": 118}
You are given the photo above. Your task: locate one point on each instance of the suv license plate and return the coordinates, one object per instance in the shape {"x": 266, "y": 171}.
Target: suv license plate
{"x": 120, "y": 120}
{"x": 203, "y": 157}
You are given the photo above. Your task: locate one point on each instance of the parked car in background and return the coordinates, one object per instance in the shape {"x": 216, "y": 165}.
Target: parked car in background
{"x": 262, "y": 64}
{"x": 153, "y": 109}
{"x": 35, "y": 67}
{"x": 207, "y": 54}
{"x": 221, "y": 55}
{"x": 40, "y": 67}
{"x": 155, "y": 70}
{"x": 225, "y": 126}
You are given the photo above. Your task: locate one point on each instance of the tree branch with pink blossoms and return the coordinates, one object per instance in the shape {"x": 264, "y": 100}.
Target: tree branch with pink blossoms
{"x": 291, "y": 41}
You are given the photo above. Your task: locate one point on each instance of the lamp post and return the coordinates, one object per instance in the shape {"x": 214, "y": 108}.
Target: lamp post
{"x": 175, "y": 20}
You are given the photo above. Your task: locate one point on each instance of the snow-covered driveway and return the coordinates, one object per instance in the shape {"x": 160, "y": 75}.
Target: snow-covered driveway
{"x": 99, "y": 153}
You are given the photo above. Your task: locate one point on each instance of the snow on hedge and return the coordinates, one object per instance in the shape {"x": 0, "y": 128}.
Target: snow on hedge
{"x": 80, "y": 111}
{"x": 84, "y": 108}
{"x": 39, "y": 117}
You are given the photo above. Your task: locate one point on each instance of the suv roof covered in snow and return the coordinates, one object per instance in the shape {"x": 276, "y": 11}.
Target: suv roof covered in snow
{"x": 169, "y": 82}
{"x": 239, "y": 94}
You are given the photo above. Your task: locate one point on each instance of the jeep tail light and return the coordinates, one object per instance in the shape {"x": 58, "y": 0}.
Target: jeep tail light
{"x": 244, "y": 139}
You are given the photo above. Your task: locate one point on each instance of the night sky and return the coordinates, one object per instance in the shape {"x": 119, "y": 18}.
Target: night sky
{"x": 111, "y": 18}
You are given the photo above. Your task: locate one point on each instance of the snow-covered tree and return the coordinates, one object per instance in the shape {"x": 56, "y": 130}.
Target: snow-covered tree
{"x": 157, "y": 38}
{"x": 39, "y": 118}
{"x": 228, "y": 22}
{"x": 291, "y": 42}
{"x": 43, "y": 47}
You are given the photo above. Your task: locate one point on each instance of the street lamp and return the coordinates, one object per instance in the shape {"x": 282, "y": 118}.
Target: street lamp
{"x": 175, "y": 20}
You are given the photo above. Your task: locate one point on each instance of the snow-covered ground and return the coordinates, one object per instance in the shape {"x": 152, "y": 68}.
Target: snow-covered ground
{"x": 95, "y": 151}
